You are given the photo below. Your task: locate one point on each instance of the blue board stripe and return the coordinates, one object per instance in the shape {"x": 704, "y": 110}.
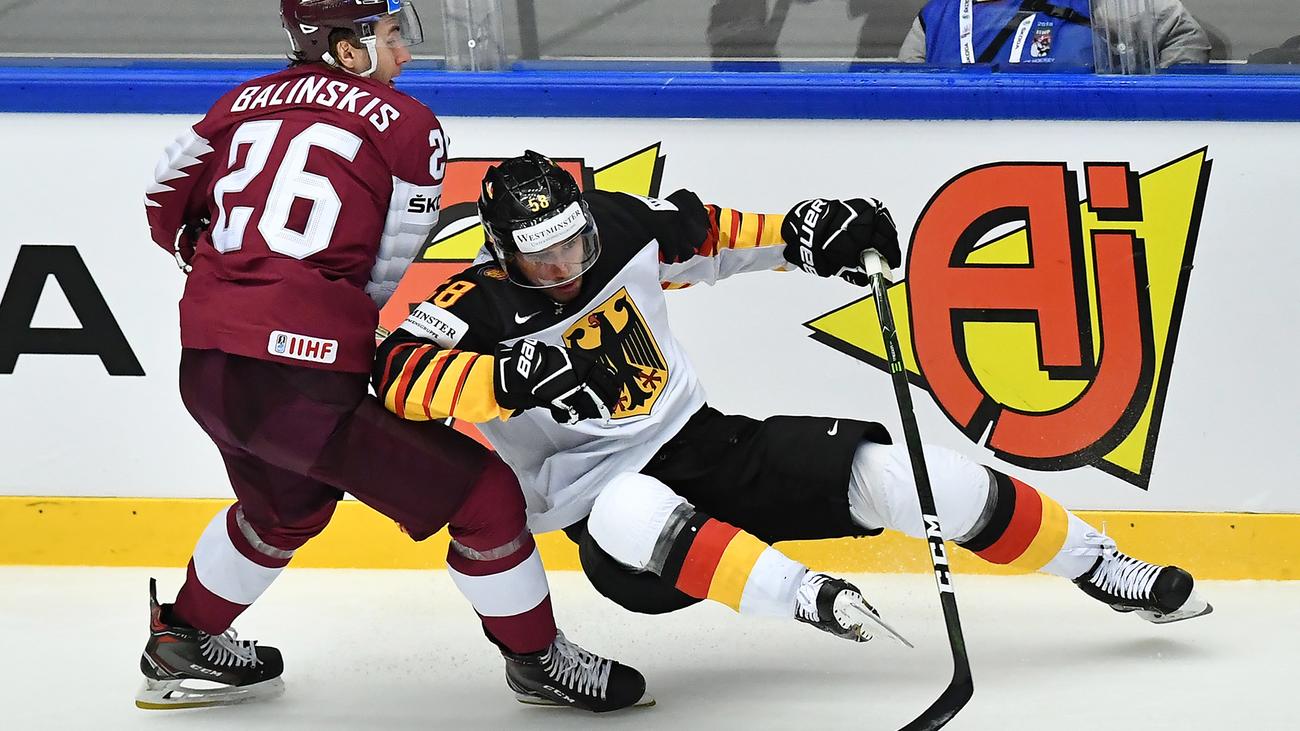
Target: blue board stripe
{"x": 884, "y": 92}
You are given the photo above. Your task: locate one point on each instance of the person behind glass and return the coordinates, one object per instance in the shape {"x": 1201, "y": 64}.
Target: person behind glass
{"x": 1287, "y": 53}
{"x": 1013, "y": 32}
{"x": 294, "y": 206}
{"x": 745, "y": 29}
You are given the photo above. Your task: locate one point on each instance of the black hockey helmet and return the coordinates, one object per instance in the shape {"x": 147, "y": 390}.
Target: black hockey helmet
{"x": 539, "y": 229}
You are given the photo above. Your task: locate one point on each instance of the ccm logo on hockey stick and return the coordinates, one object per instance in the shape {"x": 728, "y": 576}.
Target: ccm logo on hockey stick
{"x": 932, "y": 534}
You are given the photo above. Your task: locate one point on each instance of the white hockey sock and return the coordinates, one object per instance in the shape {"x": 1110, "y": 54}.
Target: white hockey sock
{"x": 232, "y": 562}
{"x": 644, "y": 525}
{"x": 497, "y": 589}
{"x": 1083, "y": 544}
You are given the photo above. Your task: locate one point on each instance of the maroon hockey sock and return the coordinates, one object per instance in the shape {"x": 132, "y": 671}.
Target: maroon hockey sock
{"x": 200, "y": 608}
{"x": 231, "y": 567}
{"x": 494, "y": 561}
{"x": 505, "y": 593}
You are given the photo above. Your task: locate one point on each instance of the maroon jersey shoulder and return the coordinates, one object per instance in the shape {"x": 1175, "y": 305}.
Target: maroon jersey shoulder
{"x": 316, "y": 175}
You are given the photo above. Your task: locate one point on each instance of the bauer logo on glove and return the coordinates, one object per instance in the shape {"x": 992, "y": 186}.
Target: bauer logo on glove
{"x": 571, "y": 385}
{"x": 827, "y": 237}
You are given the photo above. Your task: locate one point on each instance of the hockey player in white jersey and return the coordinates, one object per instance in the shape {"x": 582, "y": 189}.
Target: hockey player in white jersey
{"x": 558, "y": 346}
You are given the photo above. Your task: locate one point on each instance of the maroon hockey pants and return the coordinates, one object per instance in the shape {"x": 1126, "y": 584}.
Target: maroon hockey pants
{"x": 294, "y": 439}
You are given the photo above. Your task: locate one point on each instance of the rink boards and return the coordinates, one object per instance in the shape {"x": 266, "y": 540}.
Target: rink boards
{"x": 1138, "y": 364}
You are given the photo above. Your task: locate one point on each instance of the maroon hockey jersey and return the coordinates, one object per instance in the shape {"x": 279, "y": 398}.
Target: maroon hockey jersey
{"x": 320, "y": 187}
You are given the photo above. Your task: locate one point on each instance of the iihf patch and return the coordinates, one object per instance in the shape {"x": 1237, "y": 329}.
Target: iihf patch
{"x": 302, "y": 347}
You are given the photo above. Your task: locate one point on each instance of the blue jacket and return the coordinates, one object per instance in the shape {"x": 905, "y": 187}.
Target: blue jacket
{"x": 1010, "y": 31}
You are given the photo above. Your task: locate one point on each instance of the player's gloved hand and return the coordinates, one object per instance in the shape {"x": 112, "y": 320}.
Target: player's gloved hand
{"x": 187, "y": 239}
{"x": 571, "y": 384}
{"x": 827, "y": 237}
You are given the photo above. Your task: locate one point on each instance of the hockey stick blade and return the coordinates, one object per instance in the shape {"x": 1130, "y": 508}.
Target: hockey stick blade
{"x": 961, "y": 687}
{"x": 952, "y": 700}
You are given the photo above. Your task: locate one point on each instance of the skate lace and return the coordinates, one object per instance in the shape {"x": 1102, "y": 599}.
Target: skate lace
{"x": 1124, "y": 576}
{"x": 227, "y": 649}
{"x": 576, "y": 668}
{"x": 1094, "y": 544}
{"x": 805, "y": 606}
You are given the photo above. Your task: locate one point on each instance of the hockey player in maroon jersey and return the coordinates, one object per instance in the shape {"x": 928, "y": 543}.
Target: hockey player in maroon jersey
{"x": 585, "y": 392}
{"x": 320, "y": 182}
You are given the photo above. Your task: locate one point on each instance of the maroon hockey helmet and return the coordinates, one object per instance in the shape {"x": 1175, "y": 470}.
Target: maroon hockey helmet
{"x": 310, "y": 22}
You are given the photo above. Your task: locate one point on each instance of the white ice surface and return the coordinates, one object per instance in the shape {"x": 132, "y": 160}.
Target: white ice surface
{"x": 401, "y": 650}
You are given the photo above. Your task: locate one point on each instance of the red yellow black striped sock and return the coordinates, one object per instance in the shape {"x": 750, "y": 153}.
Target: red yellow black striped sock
{"x": 1026, "y": 528}
{"x": 714, "y": 560}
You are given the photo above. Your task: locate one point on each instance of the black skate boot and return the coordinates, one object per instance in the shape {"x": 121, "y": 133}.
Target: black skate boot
{"x": 1159, "y": 594}
{"x": 187, "y": 668}
{"x": 564, "y": 674}
{"x": 836, "y": 606}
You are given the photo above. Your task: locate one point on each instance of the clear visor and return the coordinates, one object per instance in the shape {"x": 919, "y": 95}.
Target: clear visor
{"x": 557, "y": 264}
{"x": 399, "y": 28}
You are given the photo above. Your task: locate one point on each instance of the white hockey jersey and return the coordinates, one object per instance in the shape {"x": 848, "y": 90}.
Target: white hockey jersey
{"x": 439, "y": 362}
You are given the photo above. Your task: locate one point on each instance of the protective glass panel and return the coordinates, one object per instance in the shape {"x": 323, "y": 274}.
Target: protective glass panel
{"x": 1259, "y": 36}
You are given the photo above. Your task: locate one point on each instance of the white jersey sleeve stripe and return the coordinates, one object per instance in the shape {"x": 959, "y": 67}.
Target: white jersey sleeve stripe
{"x": 727, "y": 262}
{"x": 412, "y": 214}
{"x": 184, "y": 152}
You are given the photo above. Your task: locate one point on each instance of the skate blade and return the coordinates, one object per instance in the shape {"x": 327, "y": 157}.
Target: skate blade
{"x": 865, "y": 621}
{"x": 645, "y": 701}
{"x": 1194, "y": 607}
{"x": 891, "y": 632}
{"x": 171, "y": 695}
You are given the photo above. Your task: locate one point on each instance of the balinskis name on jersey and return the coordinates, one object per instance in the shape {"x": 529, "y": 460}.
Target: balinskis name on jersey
{"x": 332, "y": 93}
{"x": 320, "y": 187}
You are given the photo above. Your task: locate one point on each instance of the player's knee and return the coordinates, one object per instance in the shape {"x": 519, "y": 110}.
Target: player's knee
{"x": 494, "y": 508}
{"x": 289, "y": 529}
{"x": 629, "y": 518}
{"x": 960, "y": 487}
{"x": 635, "y": 591}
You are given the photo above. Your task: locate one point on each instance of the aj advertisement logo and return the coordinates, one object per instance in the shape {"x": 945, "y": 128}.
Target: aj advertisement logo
{"x": 1044, "y": 325}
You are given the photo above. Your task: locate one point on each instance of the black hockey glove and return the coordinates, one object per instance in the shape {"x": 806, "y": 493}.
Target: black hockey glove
{"x": 828, "y": 237}
{"x": 571, "y": 384}
{"x": 187, "y": 239}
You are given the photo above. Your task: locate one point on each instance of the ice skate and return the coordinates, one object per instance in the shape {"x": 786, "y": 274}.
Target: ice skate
{"x": 564, "y": 674}
{"x": 836, "y": 606}
{"x": 187, "y": 668}
{"x": 1159, "y": 594}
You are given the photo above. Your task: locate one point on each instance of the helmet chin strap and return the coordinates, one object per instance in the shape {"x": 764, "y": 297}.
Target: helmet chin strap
{"x": 370, "y": 44}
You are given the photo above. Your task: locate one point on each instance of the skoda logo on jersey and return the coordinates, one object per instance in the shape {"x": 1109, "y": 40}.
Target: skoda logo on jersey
{"x": 617, "y": 334}
{"x": 1043, "y": 322}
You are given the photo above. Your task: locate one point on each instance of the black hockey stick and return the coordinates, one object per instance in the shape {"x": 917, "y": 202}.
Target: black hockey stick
{"x": 961, "y": 687}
